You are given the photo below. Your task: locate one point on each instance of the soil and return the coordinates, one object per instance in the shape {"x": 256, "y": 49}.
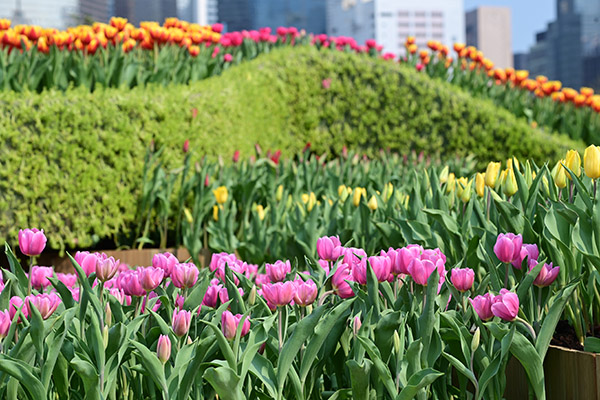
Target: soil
{"x": 565, "y": 336}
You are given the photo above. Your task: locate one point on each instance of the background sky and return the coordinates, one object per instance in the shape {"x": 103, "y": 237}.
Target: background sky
{"x": 527, "y": 16}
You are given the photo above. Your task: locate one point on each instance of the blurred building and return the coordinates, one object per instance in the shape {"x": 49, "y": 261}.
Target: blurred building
{"x": 203, "y": 12}
{"x": 95, "y": 10}
{"x": 58, "y": 14}
{"x": 391, "y": 21}
{"x": 137, "y": 11}
{"x": 254, "y": 14}
{"x": 520, "y": 61}
{"x": 489, "y": 29}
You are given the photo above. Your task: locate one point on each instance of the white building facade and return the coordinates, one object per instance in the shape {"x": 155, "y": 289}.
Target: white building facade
{"x": 58, "y": 14}
{"x": 391, "y": 21}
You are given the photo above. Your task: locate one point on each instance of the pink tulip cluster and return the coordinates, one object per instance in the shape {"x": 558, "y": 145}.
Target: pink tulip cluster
{"x": 504, "y": 305}
{"x": 219, "y": 261}
{"x": 510, "y": 249}
{"x": 298, "y": 291}
{"x": 230, "y": 324}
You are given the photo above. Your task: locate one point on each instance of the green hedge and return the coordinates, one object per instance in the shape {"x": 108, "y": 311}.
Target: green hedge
{"x": 71, "y": 162}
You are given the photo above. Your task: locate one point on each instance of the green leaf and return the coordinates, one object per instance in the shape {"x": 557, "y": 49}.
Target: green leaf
{"x": 359, "y": 378}
{"x": 225, "y": 382}
{"x": 418, "y": 381}
{"x": 17, "y": 270}
{"x": 152, "y": 366}
{"x": 382, "y": 370}
{"x": 22, "y": 373}
{"x": 592, "y": 344}
{"x": 551, "y": 319}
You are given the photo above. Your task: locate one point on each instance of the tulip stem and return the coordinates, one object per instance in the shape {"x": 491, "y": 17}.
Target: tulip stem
{"x": 529, "y": 327}
{"x": 539, "y": 307}
{"x": 489, "y": 202}
{"x": 29, "y": 275}
{"x": 506, "y": 277}
{"x": 322, "y": 299}
{"x": 571, "y": 192}
{"x": 595, "y": 183}
{"x": 279, "y": 325}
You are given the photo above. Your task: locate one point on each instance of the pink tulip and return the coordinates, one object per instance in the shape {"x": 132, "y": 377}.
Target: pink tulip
{"x": 14, "y": 304}
{"x": 483, "y": 306}
{"x": 184, "y": 275}
{"x": 186, "y": 146}
{"x": 325, "y": 265}
{"x": 164, "y": 261}
{"x": 462, "y": 279}
{"x": 261, "y": 279}
{"x": 119, "y": 294}
{"x": 306, "y": 293}
{"x": 156, "y": 305}
{"x": 224, "y": 295}
{"x": 326, "y": 83}
{"x": 228, "y": 57}
{"x": 230, "y": 323}
{"x": 181, "y": 322}
{"x": 329, "y": 248}
{"x": 150, "y": 277}
{"x": 69, "y": 280}
{"x": 420, "y": 67}
{"x": 45, "y": 303}
{"x": 280, "y": 293}
{"x": 179, "y": 300}
{"x": 86, "y": 261}
{"x": 353, "y": 256}
{"x": 129, "y": 281}
{"x": 381, "y": 266}
{"x": 547, "y": 275}
{"x": 277, "y": 272}
{"x": 163, "y": 348}
{"x": 342, "y": 274}
{"x": 506, "y": 305}
{"x": 356, "y": 324}
{"x": 508, "y": 247}
{"x": 529, "y": 252}
{"x": 106, "y": 267}
{"x": 39, "y": 276}
{"x": 421, "y": 270}
{"x": 212, "y": 294}
{"x": 32, "y": 241}
{"x": 5, "y": 321}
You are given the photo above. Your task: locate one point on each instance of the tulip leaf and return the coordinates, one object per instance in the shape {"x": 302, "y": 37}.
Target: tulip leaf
{"x": 223, "y": 345}
{"x": 225, "y": 382}
{"x": 65, "y": 294}
{"x": 359, "y": 378}
{"x": 456, "y": 363}
{"x": 382, "y": 370}
{"x": 152, "y": 366}
{"x": 17, "y": 270}
{"x": 263, "y": 370}
{"x": 21, "y": 371}
{"x": 418, "y": 381}
{"x": 427, "y": 320}
{"x": 524, "y": 287}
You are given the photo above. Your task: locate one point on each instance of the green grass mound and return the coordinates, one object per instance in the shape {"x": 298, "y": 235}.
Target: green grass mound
{"x": 71, "y": 162}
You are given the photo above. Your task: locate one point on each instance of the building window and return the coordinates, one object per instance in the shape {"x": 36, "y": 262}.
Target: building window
{"x": 420, "y": 24}
{"x": 438, "y": 25}
{"x": 403, "y": 13}
{"x": 438, "y": 36}
{"x": 403, "y": 24}
{"x": 420, "y": 34}
{"x": 420, "y": 14}
{"x": 437, "y": 14}
{"x": 387, "y": 14}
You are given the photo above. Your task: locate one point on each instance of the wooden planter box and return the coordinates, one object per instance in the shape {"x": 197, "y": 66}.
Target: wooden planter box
{"x": 130, "y": 257}
{"x": 569, "y": 374}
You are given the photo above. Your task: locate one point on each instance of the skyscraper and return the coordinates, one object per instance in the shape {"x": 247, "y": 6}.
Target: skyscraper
{"x": 489, "y": 29}
{"x": 95, "y": 10}
{"x": 58, "y": 14}
{"x": 137, "y": 11}
{"x": 391, "y": 21}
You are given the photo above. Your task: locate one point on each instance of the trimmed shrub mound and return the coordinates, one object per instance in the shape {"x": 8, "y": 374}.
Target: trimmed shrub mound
{"x": 71, "y": 162}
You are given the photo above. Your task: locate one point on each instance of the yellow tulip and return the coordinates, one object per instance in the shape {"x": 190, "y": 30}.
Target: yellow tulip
{"x": 279, "y": 193}
{"x": 513, "y": 163}
{"x": 216, "y": 212}
{"x": 559, "y": 174}
{"x": 221, "y": 194}
{"x": 388, "y": 191}
{"x": 357, "y": 195}
{"x": 444, "y": 175}
{"x": 450, "y": 183}
{"x": 312, "y": 200}
{"x": 591, "y": 161}
{"x": 461, "y": 183}
{"x": 509, "y": 185}
{"x": 344, "y": 193}
{"x": 305, "y": 198}
{"x": 491, "y": 174}
{"x": 341, "y": 190}
{"x": 260, "y": 211}
{"x": 464, "y": 188}
{"x": 573, "y": 162}
{"x": 188, "y": 215}
{"x": 372, "y": 204}
{"x": 480, "y": 184}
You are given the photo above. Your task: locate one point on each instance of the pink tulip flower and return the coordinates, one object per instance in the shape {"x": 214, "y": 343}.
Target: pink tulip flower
{"x": 184, "y": 275}
{"x": 529, "y": 252}
{"x": 181, "y": 322}
{"x": 86, "y": 261}
{"x": 261, "y": 279}
{"x": 5, "y": 321}
{"x": 306, "y": 293}
{"x": 506, "y": 305}
{"x": 421, "y": 270}
{"x": 325, "y": 265}
{"x": 150, "y": 277}
{"x": 32, "y": 241}
{"x": 277, "y": 271}
{"x": 45, "y": 303}
{"x": 230, "y": 323}
{"x": 106, "y": 267}
{"x": 14, "y": 304}
{"x": 163, "y": 348}
{"x": 39, "y": 276}
{"x": 508, "y": 247}
{"x": 462, "y": 279}
{"x": 69, "y": 280}
{"x": 164, "y": 261}
{"x": 382, "y": 266}
{"x": 547, "y": 275}
{"x": 150, "y": 296}
{"x": 129, "y": 281}
{"x": 342, "y": 274}
{"x": 483, "y": 306}
{"x": 280, "y": 293}
{"x": 329, "y": 248}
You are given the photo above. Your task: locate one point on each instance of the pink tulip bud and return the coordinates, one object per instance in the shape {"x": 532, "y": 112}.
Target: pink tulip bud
{"x": 181, "y": 322}
{"x": 421, "y": 270}
{"x": 212, "y": 293}
{"x": 129, "y": 281}
{"x": 277, "y": 272}
{"x": 462, "y": 279}
{"x": 69, "y": 280}
{"x": 86, "y": 261}
{"x": 280, "y": 293}
{"x": 329, "y": 248}
{"x": 164, "y": 261}
{"x": 106, "y": 267}
{"x": 508, "y": 247}
{"x": 39, "y": 276}
{"x": 228, "y": 57}
{"x": 483, "y": 306}
{"x": 420, "y": 67}
{"x": 186, "y": 146}
{"x": 529, "y": 252}
{"x": 45, "y": 303}
{"x": 184, "y": 275}
{"x": 150, "y": 277}
{"x": 381, "y": 266}
{"x": 340, "y": 279}
{"x": 230, "y": 323}
{"x": 236, "y": 156}
{"x": 325, "y": 265}
{"x": 206, "y": 181}
{"x": 261, "y": 279}
{"x": 15, "y": 303}
{"x": 5, "y": 321}
{"x": 119, "y": 294}
{"x": 506, "y": 305}
{"x": 356, "y": 324}
{"x": 179, "y": 300}
{"x": 32, "y": 241}
{"x": 306, "y": 293}
{"x": 547, "y": 275}
{"x": 163, "y": 348}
